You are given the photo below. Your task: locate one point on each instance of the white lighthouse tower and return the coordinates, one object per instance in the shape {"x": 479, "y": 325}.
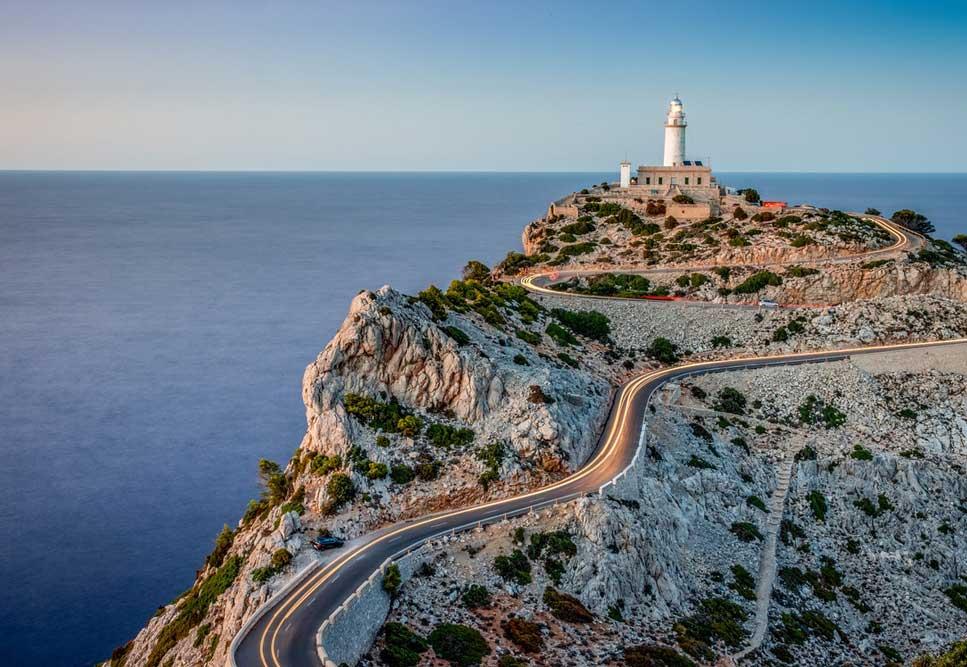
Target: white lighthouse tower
{"x": 675, "y": 134}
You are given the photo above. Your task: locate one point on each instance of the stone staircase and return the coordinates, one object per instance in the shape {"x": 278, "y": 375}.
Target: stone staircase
{"x": 767, "y": 564}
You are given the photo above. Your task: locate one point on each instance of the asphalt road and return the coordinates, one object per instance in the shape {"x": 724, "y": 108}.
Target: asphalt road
{"x": 284, "y": 636}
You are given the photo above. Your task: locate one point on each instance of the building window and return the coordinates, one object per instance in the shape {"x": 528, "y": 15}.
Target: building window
{"x": 699, "y": 180}
{"x": 647, "y": 180}
{"x": 673, "y": 180}
{"x": 686, "y": 180}
{"x": 660, "y": 180}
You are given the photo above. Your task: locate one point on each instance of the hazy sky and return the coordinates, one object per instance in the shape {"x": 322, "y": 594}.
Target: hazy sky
{"x": 798, "y": 86}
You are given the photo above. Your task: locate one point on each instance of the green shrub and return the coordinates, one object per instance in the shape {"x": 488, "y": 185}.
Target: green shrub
{"x": 717, "y": 619}
{"x": 521, "y": 360}
{"x": 861, "y": 453}
{"x": 731, "y": 400}
{"x": 816, "y": 411}
{"x": 401, "y": 646}
{"x": 743, "y": 582}
{"x": 402, "y": 473}
{"x": 721, "y": 341}
{"x": 739, "y": 213}
{"x": 528, "y": 336}
{"x": 957, "y": 594}
{"x": 700, "y": 463}
{"x": 745, "y": 531}
{"x": 377, "y": 470}
{"x": 448, "y": 437}
{"x": 475, "y": 596}
{"x": 375, "y": 414}
{"x": 340, "y": 488}
{"x": 566, "y": 607}
{"x": 560, "y": 335}
{"x": 514, "y": 567}
{"x": 817, "y": 503}
{"x": 579, "y": 228}
{"x": 739, "y": 242}
{"x": 589, "y": 323}
{"x": 758, "y": 281}
{"x": 800, "y": 272}
{"x": 323, "y": 465}
{"x": 568, "y": 359}
{"x": 757, "y": 502}
{"x": 280, "y": 558}
{"x": 780, "y": 335}
{"x": 410, "y": 426}
{"x": 193, "y": 608}
{"x": 222, "y": 544}
{"x": 459, "y": 644}
{"x": 663, "y": 350}
{"x": 801, "y": 240}
{"x": 457, "y": 334}
{"x": 526, "y": 635}
{"x": 652, "y": 655}
{"x": 576, "y": 249}
{"x": 392, "y": 580}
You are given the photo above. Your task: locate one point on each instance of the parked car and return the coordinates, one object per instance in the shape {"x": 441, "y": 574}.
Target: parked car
{"x": 764, "y": 303}
{"x": 324, "y": 543}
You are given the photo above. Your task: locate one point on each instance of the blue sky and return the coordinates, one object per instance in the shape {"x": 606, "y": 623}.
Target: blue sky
{"x": 785, "y": 86}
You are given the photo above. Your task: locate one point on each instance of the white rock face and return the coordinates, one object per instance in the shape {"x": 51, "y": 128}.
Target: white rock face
{"x": 389, "y": 346}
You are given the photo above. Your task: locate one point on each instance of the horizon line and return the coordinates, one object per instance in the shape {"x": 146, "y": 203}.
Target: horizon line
{"x": 444, "y": 171}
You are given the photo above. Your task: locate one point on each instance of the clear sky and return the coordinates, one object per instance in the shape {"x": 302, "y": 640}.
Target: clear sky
{"x": 318, "y": 85}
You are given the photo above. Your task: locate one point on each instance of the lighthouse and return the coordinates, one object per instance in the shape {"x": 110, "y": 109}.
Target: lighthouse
{"x": 675, "y": 134}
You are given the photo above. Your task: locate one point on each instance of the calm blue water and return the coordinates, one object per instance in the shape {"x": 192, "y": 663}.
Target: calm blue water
{"x": 153, "y": 333}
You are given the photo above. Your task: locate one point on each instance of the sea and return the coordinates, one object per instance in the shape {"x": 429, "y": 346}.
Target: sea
{"x": 154, "y": 328}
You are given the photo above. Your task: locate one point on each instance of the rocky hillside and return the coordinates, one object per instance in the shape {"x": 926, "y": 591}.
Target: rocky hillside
{"x": 417, "y": 403}
{"x": 608, "y": 234}
{"x": 664, "y": 570}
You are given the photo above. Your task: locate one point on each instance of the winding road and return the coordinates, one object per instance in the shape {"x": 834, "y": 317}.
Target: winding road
{"x": 283, "y": 632}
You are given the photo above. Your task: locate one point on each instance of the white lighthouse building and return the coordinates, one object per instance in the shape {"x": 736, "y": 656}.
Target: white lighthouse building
{"x": 675, "y": 134}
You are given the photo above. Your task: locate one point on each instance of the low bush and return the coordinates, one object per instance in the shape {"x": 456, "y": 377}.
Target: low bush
{"x": 700, "y": 463}
{"x": 861, "y": 453}
{"x": 721, "y": 341}
{"x": 817, "y": 503}
{"x": 743, "y": 582}
{"x": 560, "y": 335}
{"x": 341, "y": 489}
{"x": 193, "y": 609}
{"x": 401, "y": 473}
{"x": 401, "y": 646}
{"x": 222, "y": 544}
{"x": 652, "y": 655}
{"x": 800, "y": 272}
{"x": 536, "y": 395}
{"x": 663, "y": 350}
{"x": 475, "y": 596}
{"x": 392, "y": 579}
{"x": 526, "y": 635}
{"x": 566, "y": 607}
{"x": 459, "y": 644}
{"x": 376, "y": 470}
{"x": 323, "y": 465}
{"x": 757, "y": 502}
{"x": 448, "y": 437}
{"x": 717, "y": 619}
{"x": 457, "y": 334}
{"x": 514, "y": 567}
{"x": 731, "y": 400}
{"x": 814, "y": 410}
{"x": 745, "y": 531}
{"x": 758, "y": 281}
{"x": 589, "y": 323}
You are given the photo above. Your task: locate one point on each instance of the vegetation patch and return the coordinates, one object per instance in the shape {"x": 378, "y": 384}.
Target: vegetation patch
{"x": 652, "y": 655}
{"x": 526, "y": 635}
{"x": 514, "y": 567}
{"x": 717, "y": 619}
{"x": 758, "y": 281}
{"x": 401, "y": 646}
{"x": 745, "y": 531}
{"x": 566, "y": 607}
{"x": 459, "y": 644}
{"x": 193, "y": 608}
